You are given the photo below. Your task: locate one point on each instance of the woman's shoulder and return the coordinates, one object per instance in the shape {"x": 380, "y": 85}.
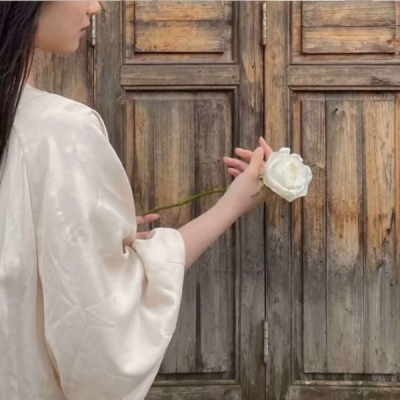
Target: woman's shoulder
{"x": 42, "y": 115}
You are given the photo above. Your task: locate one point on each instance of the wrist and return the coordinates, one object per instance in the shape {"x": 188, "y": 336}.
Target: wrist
{"x": 225, "y": 205}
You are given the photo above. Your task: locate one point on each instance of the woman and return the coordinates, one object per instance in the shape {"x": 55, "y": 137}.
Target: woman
{"x": 86, "y": 308}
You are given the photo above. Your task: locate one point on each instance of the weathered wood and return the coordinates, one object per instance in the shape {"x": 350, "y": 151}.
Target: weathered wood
{"x": 179, "y": 11}
{"x": 215, "y": 273}
{"x": 166, "y": 75}
{"x": 212, "y": 392}
{"x": 173, "y": 170}
{"x": 250, "y": 253}
{"x": 349, "y": 13}
{"x": 182, "y": 28}
{"x": 71, "y": 76}
{"x": 397, "y": 218}
{"x": 313, "y": 125}
{"x": 344, "y": 391}
{"x": 348, "y": 58}
{"x": 344, "y": 245}
{"x": 297, "y": 250}
{"x": 381, "y": 286}
{"x": 74, "y": 75}
{"x": 333, "y": 40}
{"x": 320, "y": 76}
{"x": 109, "y": 97}
{"x": 44, "y": 65}
{"x": 278, "y": 255}
{"x": 179, "y": 36}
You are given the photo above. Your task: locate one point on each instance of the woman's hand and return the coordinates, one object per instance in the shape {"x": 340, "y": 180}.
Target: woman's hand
{"x": 145, "y": 220}
{"x": 241, "y": 195}
{"x": 236, "y": 166}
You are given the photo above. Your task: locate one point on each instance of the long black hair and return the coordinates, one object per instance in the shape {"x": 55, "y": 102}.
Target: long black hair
{"x": 18, "y": 25}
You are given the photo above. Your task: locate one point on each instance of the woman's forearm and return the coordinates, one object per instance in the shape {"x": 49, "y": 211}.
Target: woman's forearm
{"x": 203, "y": 231}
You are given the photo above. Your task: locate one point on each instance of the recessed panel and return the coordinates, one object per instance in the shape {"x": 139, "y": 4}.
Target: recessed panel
{"x": 174, "y": 150}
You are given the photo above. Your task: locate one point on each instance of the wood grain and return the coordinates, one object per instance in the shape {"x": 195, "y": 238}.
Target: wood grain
{"x": 179, "y": 37}
{"x": 179, "y": 11}
{"x": 174, "y": 32}
{"x": 215, "y": 273}
{"x": 174, "y": 180}
{"x": 109, "y": 96}
{"x": 250, "y": 252}
{"x": 348, "y": 13}
{"x": 344, "y": 240}
{"x": 381, "y": 286}
{"x": 278, "y": 248}
{"x": 166, "y": 75}
{"x": 313, "y": 130}
{"x": 339, "y": 40}
{"x": 200, "y": 392}
{"x": 344, "y": 391}
{"x": 324, "y": 76}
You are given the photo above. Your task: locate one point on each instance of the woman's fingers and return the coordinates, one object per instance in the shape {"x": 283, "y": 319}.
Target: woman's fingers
{"x": 142, "y": 235}
{"x": 234, "y": 172}
{"x": 236, "y": 166}
{"x": 245, "y": 154}
{"x": 257, "y": 161}
{"x": 235, "y": 163}
{"x": 146, "y": 219}
{"x": 267, "y": 150}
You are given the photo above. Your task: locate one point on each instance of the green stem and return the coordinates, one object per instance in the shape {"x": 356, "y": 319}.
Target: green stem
{"x": 188, "y": 200}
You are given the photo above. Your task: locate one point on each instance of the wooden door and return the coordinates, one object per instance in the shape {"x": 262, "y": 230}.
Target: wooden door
{"x": 333, "y": 259}
{"x": 179, "y": 85}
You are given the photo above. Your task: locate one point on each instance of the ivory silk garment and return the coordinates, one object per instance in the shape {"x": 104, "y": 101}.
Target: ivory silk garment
{"x": 86, "y": 310}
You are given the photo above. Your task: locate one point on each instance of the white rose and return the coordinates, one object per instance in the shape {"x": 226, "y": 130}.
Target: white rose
{"x": 286, "y": 175}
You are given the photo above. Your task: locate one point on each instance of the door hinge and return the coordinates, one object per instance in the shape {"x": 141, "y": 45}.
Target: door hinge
{"x": 266, "y": 344}
{"x": 264, "y": 23}
{"x": 93, "y": 30}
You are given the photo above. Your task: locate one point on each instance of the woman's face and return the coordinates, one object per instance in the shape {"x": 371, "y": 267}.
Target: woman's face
{"x": 63, "y": 23}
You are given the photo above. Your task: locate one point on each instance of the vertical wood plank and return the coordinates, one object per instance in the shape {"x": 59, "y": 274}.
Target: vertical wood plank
{"x": 44, "y": 67}
{"x": 379, "y": 226}
{"x": 314, "y": 234}
{"x": 397, "y": 223}
{"x": 139, "y": 117}
{"x": 278, "y": 262}
{"x": 344, "y": 235}
{"x": 73, "y": 74}
{"x": 173, "y": 143}
{"x": 252, "y": 240}
{"x": 109, "y": 96}
{"x": 215, "y": 333}
{"x": 297, "y": 249}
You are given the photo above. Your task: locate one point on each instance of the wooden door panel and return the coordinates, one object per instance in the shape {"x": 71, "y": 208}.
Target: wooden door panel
{"x": 179, "y": 28}
{"x": 349, "y": 268}
{"x": 178, "y": 141}
{"x": 179, "y": 31}
{"x": 345, "y": 31}
{"x": 184, "y": 112}
{"x": 334, "y": 322}
{"x": 350, "y": 27}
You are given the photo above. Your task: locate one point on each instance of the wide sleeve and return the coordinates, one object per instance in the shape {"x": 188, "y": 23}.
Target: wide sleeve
{"x": 110, "y": 301}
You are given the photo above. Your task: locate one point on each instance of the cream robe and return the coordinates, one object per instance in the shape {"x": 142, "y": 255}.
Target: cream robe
{"x": 86, "y": 310}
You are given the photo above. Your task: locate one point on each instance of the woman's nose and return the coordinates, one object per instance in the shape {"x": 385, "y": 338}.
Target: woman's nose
{"x": 94, "y": 8}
